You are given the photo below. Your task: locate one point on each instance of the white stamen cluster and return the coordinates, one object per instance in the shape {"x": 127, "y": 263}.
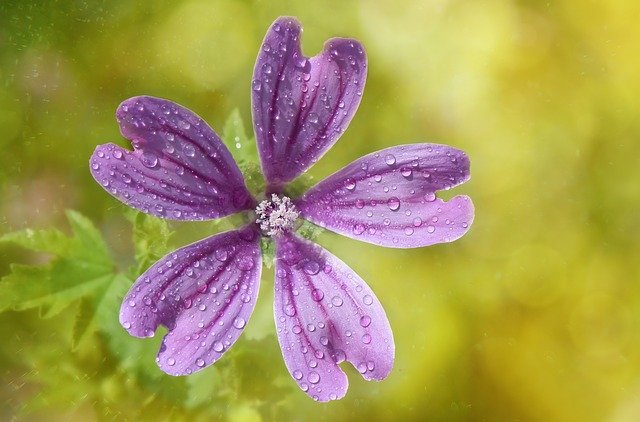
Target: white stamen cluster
{"x": 276, "y": 216}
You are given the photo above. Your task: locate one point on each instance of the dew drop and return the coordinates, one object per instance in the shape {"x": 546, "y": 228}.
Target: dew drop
{"x": 430, "y": 229}
{"x": 336, "y": 301}
{"x": 290, "y": 310}
{"x": 390, "y": 159}
{"x": 189, "y": 150}
{"x": 171, "y": 361}
{"x": 256, "y": 85}
{"x": 367, "y": 300}
{"x": 314, "y": 378}
{"x": 239, "y": 323}
{"x": 221, "y": 255}
{"x": 358, "y": 228}
{"x": 317, "y": 295}
{"x": 200, "y": 363}
{"x": 351, "y": 184}
{"x": 297, "y": 374}
{"x": 366, "y": 339}
{"x": 311, "y": 267}
{"x": 218, "y": 347}
{"x": 393, "y": 203}
{"x": 365, "y": 320}
{"x": 149, "y": 160}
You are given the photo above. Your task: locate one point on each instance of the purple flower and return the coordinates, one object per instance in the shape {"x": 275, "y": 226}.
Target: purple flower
{"x": 204, "y": 293}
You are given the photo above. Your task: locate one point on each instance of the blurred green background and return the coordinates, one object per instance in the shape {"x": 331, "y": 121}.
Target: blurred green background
{"x": 534, "y": 315}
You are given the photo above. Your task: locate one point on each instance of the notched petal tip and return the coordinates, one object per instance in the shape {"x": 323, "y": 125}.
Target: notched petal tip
{"x": 388, "y": 197}
{"x": 326, "y": 314}
{"x": 301, "y": 105}
{"x": 179, "y": 168}
{"x": 204, "y": 293}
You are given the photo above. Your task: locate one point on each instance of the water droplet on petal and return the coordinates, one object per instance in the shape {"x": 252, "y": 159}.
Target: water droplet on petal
{"x": 311, "y": 267}
{"x": 297, "y": 374}
{"x": 430, "y": 229}
{"x": 189, "y": 150}
{"x": 200, "y": 363}
{"x": 171, "y": 361}
{"x": 365, "y": 320}
{"x": 350, "y": 184}
{"x": 366, "y": 339}
{"x": 314, "y": 378}
{"x": 390, "y": 159}
{"x": 317, "y": 295}
{"x": 358, "y": 228}
{"x": 239, "y": 323}
{"x": 367, "y": 300}
{"x": 218, "y": 347}
{"x": 290, "y": 310}
{"x": 336, "y": 301}
{"x": 393, "y": 203}
{"x": 149, "y": 159}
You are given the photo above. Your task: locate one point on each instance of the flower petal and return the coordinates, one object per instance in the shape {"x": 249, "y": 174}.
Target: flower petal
{"x": 179, "y": 168}
{"x": 388, "y": 197}
{"x": 325, "y": 314}
{"x": 301, "y": 105}
{"x": 204, "y": 293}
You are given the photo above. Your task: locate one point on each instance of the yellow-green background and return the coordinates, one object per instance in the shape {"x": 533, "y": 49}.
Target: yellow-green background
{"x": 533, "y": 315}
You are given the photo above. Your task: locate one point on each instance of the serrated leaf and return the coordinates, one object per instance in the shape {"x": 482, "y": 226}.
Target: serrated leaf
{"x": 83, "y": 322}
{"x": 81, "y": 263}
{"x": 46, "y": 240}
{"x": 88, "y": 241}
{"x": 244, "y": 151}
{"x": 235, "y": 138}
{"x": 56, "y": 285}
{"x": 150, "y": 238}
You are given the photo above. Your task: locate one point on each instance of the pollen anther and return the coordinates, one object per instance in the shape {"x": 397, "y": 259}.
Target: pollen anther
{"x": 277, "y": 215}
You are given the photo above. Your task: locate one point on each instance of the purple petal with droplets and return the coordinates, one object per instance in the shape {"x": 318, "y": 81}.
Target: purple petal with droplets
{"x": 388, "y": 197}
{"x": 325, "y": 314}
{"x": 302, "y": 105}
{"x": 203, "y": 293}
{"x": 179, "y": 168}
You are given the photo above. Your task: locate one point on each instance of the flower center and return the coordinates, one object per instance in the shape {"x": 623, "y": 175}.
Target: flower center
{"x": 277, "y": 215}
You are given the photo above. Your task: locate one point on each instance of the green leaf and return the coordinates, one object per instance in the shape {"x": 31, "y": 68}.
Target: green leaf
{"x": 150, "y": 238}
{"x": 244, "y": 151}
{"x": 88, "y": 242}
{"x": 47, "y": 240}
{"x": 81, "y": 263}
{"x": 235, "y": 138}
{"x": 82, "y": 324}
